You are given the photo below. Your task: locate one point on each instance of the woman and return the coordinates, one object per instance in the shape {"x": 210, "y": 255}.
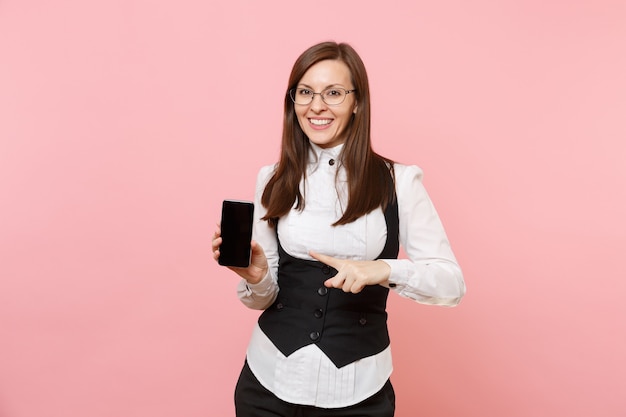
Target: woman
{"x": 329, "y": 218}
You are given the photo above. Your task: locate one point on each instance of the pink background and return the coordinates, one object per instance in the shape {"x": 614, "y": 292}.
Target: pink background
{"x": 123, "y": 124}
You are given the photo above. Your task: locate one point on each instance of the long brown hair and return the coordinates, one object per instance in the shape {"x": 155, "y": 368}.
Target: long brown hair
{"x": 369, "y": 175}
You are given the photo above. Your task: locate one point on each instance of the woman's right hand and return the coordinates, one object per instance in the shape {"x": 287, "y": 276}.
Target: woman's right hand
{"x": 258, "y": 267}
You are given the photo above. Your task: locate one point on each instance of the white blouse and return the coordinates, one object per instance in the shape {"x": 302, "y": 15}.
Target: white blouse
{"x": 430, "y": 275}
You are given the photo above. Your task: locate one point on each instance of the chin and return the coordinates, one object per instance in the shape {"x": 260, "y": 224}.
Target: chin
{"x": 324, "y": 141}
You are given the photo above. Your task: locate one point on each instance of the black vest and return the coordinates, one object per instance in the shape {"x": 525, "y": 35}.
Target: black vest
{"x": 345, "y": 326}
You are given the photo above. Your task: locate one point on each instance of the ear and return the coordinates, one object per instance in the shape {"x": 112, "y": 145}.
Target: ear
{"x": 356, "y": 106}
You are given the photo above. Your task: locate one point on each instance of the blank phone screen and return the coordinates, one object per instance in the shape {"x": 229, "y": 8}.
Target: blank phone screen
{"x": 236, "y": 233}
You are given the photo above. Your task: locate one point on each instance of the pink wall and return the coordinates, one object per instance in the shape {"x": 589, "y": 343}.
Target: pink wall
{"x": 123, "y": 124}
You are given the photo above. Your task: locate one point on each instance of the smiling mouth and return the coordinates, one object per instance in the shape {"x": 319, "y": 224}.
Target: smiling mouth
{"x": 320, "y": 122}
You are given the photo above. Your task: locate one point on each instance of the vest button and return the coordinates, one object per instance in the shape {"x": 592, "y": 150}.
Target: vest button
{"x": 314, "y": 335}
{"x": 322, "y": 291}
{"x": 279, "y": 306}
{"x": 319, "y": 313}
{"x": 362, "y": 321}
{"x": 331, "y": 162}
{"x": 326, "y": 269}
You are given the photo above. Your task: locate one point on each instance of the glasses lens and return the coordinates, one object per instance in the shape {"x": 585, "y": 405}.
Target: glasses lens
{"x": 301, "y": 95}
{"x": 334, "y": 96}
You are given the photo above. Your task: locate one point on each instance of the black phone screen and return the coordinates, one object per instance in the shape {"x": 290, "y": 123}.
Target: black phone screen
{"x": 236, "y": 228}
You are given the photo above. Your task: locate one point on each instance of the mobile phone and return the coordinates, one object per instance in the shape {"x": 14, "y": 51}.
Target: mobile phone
{"x": 236, "y": 228}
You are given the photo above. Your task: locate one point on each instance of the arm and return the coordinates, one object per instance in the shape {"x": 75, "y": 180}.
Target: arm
{"x": 260, "y": 294}
{"x": 431, "y": 275}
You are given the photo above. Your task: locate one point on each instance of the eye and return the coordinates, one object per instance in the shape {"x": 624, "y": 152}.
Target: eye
{"x": 304, "y": 92}
{"x": 333, "y": 92}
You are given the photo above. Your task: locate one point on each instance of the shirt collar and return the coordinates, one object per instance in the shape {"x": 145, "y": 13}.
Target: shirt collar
{"x": 319, "y": 155}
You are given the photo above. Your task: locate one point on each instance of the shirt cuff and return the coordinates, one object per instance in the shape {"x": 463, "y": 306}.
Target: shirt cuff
{"x": 263, "y": 287}
{"x": 398, "y": 277}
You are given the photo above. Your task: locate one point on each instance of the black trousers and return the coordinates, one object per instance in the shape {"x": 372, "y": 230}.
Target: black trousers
{"x": 254, "y": 400}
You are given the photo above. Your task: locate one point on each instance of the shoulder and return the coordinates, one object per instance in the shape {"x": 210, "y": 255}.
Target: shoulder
{"x": 407, "y": 173}
{"x": 410, "y": 189}
{"x": 265, "y": 173}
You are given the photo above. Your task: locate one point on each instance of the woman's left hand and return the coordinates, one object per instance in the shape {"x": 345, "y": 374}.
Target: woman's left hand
{"x": 353, "y": 276}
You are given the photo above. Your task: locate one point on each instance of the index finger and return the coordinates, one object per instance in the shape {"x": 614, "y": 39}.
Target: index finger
{"x": 328, "y": 260}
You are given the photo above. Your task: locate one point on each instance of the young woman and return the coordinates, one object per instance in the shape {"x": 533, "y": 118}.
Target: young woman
{"x": 329, "y": 219}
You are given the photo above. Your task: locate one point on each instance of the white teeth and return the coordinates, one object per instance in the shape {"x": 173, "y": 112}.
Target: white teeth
{"x": 320, "y": 122}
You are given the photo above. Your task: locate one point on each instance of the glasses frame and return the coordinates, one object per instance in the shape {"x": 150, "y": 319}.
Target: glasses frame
{"x": 292, "y": 93}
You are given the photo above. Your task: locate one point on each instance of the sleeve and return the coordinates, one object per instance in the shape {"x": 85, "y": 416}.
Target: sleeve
{"x": 262, "y": 294}
{"x": 431, "y": 274}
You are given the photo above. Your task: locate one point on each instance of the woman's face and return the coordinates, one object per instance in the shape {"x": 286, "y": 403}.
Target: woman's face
{"x": 325, "y": 125}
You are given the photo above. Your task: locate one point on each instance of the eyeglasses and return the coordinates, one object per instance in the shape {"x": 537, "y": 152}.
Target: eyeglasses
{"x": 331, "y": 96}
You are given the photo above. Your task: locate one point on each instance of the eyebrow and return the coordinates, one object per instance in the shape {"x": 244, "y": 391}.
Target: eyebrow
{"x": 328, "y": 86}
